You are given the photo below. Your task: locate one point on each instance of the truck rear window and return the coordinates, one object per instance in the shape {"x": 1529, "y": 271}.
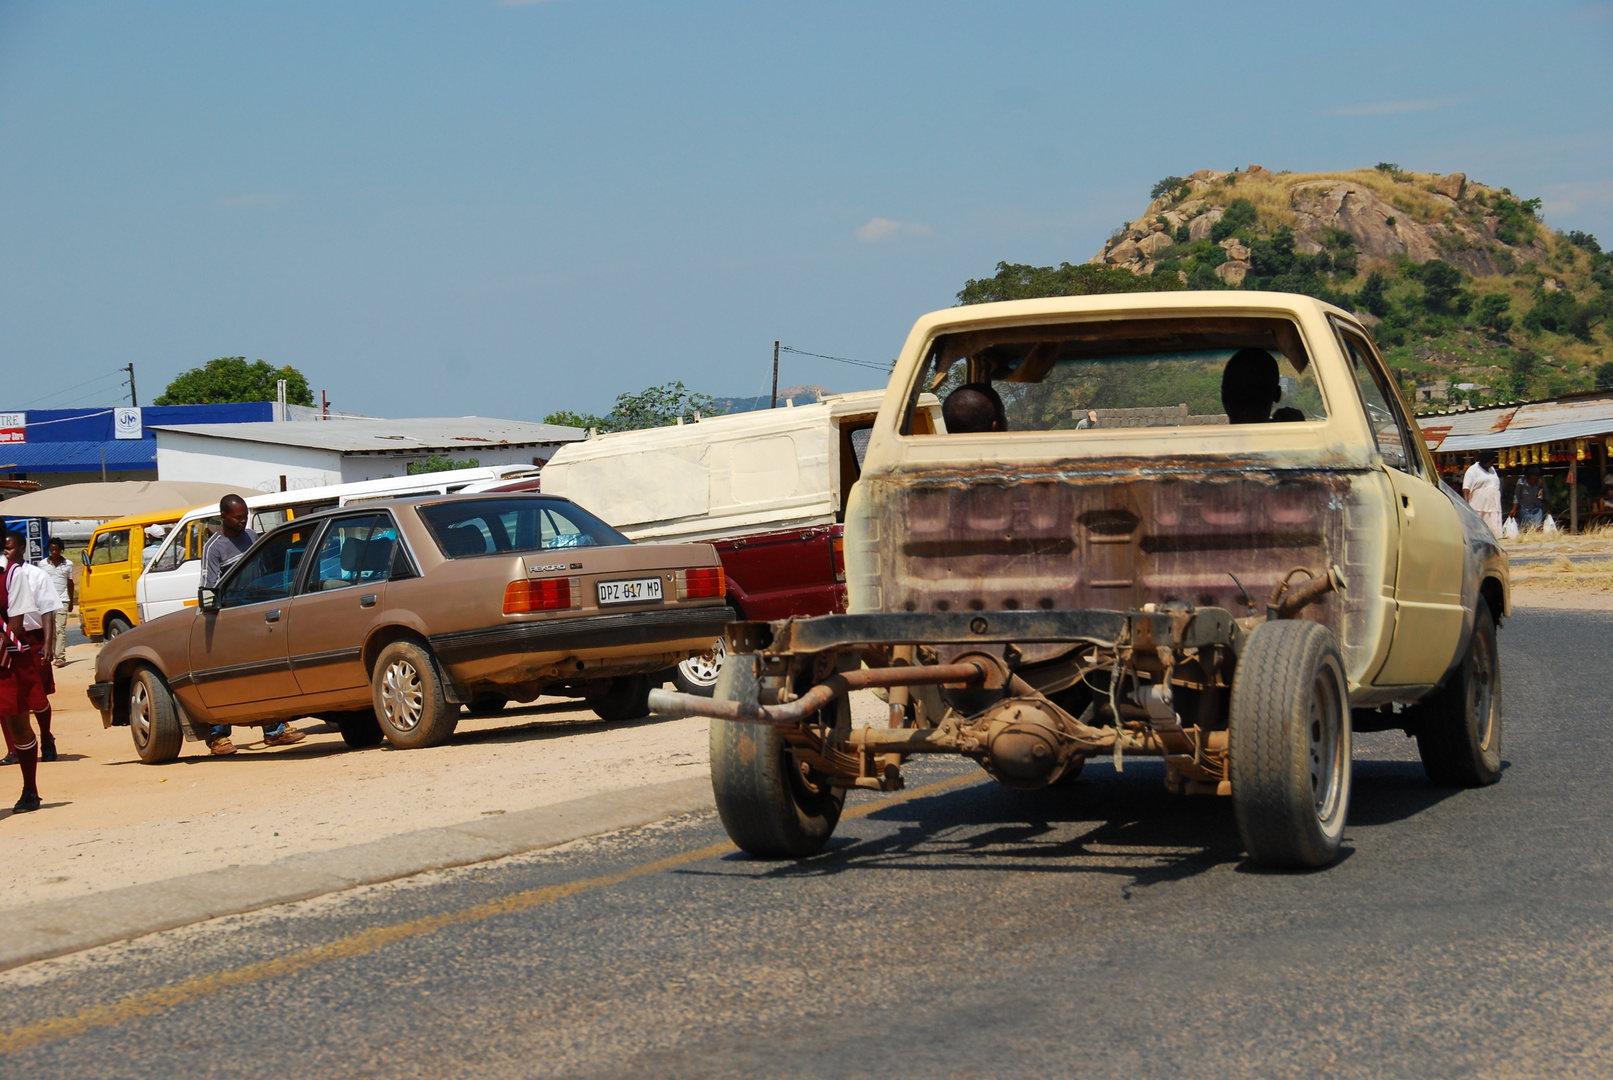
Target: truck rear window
{"x": 1186, "y": 372}
{"x": 514, "y": 524}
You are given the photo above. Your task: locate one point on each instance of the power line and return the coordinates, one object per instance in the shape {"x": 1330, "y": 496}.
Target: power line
{"x": 841, "y": 359}
{"x": 119, "y": 375}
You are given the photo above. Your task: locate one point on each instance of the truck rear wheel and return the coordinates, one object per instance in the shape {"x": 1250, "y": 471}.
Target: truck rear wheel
{"x": 1459, "y": 729}
{"x": 772, "y": 805}
{"x": 1289, "y": 755}
{"x": 153, "y": 718}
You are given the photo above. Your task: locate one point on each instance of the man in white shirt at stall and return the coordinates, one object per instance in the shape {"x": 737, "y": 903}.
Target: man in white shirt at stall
{"x": 60, "y": 570}
{"x": 1481, "y": 487}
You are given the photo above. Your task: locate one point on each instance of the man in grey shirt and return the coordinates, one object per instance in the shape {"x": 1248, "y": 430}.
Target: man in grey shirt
{"x": 222, "y": 551}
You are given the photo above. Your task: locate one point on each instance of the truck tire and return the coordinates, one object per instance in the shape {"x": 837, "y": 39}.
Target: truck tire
{"x": 1459, "y": 729}
{"x": 408, "y": 695}
{"x": 771, "y": 806}
{"x": 626, "y": 697}
{"x": 1289, "y": 753}
{"x": 153, "y": 718}
{"x": 698, "y": 674}
{"x": 360, "y": 729}
{"x": 113, "y": 626}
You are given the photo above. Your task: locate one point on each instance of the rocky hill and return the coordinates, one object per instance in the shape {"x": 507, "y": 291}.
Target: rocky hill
{"x": 1471, "y": 295}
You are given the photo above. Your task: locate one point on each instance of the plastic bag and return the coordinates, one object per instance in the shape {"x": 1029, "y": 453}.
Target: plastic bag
{"x": 1509, "y": 529}
{"x": 1551, "y": 525}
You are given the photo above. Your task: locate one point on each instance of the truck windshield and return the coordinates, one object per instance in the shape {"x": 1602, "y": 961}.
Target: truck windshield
{"x": 1121, "y": 374}
{"x": 514, "y": 524}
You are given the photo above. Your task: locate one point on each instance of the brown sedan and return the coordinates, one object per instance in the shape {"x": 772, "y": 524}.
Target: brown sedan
{"x": 385, "y": 618}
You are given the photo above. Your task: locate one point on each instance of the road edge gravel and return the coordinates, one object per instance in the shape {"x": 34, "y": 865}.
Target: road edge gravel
{"x": 59, "y": 927}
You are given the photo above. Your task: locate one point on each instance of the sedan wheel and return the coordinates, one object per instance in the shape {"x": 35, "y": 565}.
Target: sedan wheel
{"x": 698, "y": 674}
{"x": 153, "y": 719}
{"x": 409, "y": 700}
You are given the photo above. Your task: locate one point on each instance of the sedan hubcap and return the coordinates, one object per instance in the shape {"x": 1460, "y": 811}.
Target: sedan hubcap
{"x": 704, "y": 669}
{"x": 402, "y": 699}
{"x": 140, "y": 714}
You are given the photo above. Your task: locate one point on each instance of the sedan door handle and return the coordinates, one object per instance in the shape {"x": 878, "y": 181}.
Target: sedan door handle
{"x": 367, "y": 600}
{"x": 272, "y": 616}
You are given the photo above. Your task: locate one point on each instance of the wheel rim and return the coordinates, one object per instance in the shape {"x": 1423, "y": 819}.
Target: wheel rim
{"x": 402, "y": 699}
{"x": 1481, "y": 691}
{"x": 703, "y": 670}
{"x": 140, "y": 714}
{"x": 1327, "y": 746}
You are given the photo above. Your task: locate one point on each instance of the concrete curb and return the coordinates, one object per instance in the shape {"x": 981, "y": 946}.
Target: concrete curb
{"x": 41, "y": 931}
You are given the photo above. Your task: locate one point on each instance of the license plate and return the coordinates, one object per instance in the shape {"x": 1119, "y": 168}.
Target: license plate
{"x": 629, "y": 592}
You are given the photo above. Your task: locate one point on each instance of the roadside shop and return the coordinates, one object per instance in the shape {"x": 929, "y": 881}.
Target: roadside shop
{"x": 1570, "y": 440}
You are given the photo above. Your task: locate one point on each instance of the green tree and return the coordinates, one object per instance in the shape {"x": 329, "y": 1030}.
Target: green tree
{"x": 655, "y": 406}
{"x": 1442, "y": 287}
{"x": 231, "y": 379}
{"x": 1373, "y": 295}
{"x": 1166, "y": 186}
{"x": 1239, "y": 214}
{"x": 1604, "y": 376}
{"x": 1018, "y": 281}
{"x": 1523, "y": 368}
{"x": 1491, "y": 312}
{"x": 437, "y": 463}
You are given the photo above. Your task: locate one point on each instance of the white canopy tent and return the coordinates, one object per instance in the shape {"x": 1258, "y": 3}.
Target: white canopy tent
{"x": 100, "y": 502}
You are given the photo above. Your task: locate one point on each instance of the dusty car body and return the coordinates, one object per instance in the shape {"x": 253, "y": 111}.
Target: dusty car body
{"x": 387, "y": 617}
{"x": 1133, "y": 567}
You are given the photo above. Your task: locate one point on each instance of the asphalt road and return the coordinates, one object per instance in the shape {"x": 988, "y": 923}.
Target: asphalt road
{"x": 1106, "y": 929}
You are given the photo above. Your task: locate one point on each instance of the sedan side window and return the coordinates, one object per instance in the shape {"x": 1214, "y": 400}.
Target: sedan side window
{"x": 1384, "y": 418}
{"x": 353, "y": 551}
{"x": 268, "y": 572}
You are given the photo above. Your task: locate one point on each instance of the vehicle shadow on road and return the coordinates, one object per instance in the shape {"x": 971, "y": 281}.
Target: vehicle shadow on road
{"x": 1124, "y": 825}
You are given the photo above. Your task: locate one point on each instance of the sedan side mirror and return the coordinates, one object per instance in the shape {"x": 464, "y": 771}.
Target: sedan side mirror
{"x": 207, "y": 599}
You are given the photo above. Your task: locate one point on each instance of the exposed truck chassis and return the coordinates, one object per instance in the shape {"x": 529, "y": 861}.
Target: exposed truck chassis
{"x": 1154, "y": 683}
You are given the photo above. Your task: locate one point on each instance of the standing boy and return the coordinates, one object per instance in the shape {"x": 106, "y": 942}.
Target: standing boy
{"x": 60, "y": 571}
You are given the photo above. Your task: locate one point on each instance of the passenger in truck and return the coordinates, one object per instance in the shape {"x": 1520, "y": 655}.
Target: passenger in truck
{"x": 1250, "y": 387}
{"x": 974, "y": 407}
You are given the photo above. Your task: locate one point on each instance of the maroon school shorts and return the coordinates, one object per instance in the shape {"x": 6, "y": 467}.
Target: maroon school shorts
{"x": 21, "y": 690}
{"x": 47, "y": 671}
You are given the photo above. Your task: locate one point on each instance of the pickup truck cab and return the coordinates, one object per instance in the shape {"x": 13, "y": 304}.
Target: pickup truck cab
{"x": 767, "y": 489}
{"x": 1198, "y": 526}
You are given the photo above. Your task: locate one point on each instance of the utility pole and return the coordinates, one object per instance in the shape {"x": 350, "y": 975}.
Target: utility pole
{"x": 132, "y": 399}
{"x": 775, "y": 376}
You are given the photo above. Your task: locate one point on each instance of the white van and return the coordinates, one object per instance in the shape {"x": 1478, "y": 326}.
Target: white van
{"x": 174, "y": 575}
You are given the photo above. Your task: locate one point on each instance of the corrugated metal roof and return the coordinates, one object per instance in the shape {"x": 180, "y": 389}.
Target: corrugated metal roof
{"x": 384, "y": 436}
{"x": 1518, "y": 425}
{"x": 77, "y": 456}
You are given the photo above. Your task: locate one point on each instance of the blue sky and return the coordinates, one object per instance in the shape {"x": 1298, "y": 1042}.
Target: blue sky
{"x": 506, "y": 209}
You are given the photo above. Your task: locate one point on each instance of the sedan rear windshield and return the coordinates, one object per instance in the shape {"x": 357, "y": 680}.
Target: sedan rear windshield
{"x": 514, "y": 524}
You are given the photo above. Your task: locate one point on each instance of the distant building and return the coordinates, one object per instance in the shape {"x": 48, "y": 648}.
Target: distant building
{"x": 270, "y": 456}
{"x": 69, "y": 446}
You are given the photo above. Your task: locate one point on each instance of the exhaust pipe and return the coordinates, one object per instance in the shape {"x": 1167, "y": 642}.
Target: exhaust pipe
{"x": 673, "y": 703}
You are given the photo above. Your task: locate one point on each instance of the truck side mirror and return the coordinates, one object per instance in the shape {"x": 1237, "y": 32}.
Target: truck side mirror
{"x": 207, "y": 599}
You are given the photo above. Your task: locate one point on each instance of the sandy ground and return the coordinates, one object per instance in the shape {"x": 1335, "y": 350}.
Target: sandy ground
{"x": 110, "y": 820}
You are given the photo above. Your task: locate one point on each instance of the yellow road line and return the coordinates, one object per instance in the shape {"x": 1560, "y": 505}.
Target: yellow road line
{"x": 368, "y": 941}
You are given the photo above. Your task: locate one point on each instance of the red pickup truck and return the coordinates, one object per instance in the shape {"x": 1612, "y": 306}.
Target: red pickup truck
{"x": 766, "y": 488}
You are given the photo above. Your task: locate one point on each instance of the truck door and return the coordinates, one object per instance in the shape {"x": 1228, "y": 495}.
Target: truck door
{"x": 108, "y": 574}
{"x": 1428, "y": 576}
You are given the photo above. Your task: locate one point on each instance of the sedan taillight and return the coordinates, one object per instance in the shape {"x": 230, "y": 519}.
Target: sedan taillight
{"x": 547, "y": 594}
{"x": 701, "y": 582}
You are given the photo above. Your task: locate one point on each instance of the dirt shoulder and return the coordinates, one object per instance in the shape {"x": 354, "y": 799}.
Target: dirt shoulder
{"x": 110, "y": 820}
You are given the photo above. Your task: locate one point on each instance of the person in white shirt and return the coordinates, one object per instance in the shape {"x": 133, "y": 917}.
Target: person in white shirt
{"x": 20, "y": 689}
{"x": 60, "y": 570}
{"x": 1481, "y": 487}
{"x": 39, "y": 630}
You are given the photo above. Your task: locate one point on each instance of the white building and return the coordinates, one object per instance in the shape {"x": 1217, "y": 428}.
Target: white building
{"x": 273, "y": 456}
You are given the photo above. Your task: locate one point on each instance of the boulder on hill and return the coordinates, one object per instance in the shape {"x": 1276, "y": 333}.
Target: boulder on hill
{"x": 1452, "y": 186}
